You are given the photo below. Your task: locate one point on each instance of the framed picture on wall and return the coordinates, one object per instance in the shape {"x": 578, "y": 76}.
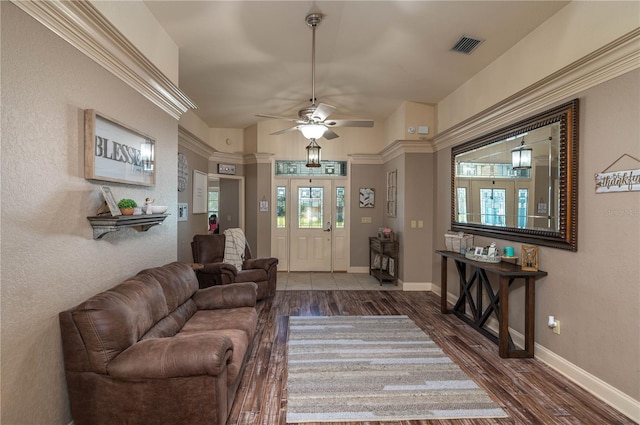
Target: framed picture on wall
{"x": 116, "y": 153}
{"x": 183, "y": 212}
{"x": 367, "y": 197}
{"x": 200, "y": 192}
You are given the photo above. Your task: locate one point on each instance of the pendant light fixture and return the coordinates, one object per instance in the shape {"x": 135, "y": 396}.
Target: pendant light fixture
{"x": 521, "y": 157}
{"x": 313, "y": 154}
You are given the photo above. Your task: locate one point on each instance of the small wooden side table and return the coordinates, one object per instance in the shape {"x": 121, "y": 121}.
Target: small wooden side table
{"x": 498, "y": 301}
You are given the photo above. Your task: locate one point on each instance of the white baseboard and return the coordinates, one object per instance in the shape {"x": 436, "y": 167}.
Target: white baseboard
{"x": 416, "y": 286}
{"x": 594, "y": 385}
{"x": 364, "y": 269}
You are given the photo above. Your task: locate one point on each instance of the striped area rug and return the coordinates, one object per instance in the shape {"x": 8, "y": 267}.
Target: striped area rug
{"x": 375, "y": 368}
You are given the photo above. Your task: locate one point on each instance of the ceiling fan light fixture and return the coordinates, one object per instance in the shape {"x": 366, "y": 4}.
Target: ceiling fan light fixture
{"x": 312, "y": 131}
{"x": 313, "y": 154}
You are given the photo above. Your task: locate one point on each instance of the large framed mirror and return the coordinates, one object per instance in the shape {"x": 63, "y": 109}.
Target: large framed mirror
{"x": 521, "y": 182}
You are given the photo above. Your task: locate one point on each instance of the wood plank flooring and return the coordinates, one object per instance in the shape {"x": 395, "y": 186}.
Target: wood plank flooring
{"x": 529, "y": 391}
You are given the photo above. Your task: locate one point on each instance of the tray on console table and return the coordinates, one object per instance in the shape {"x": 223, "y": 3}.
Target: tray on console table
{"x": 103, "y": 224}
{"x": 472, "y": 291}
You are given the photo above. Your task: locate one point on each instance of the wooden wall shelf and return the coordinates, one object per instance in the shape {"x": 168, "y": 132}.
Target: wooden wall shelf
{"x": 104, "y": 224}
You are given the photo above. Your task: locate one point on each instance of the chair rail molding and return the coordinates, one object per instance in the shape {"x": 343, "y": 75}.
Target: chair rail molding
{"x": 84, "y": 27}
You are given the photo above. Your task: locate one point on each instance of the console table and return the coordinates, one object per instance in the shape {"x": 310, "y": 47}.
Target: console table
{"x": 386, "y": 265}
{"x": 498, "y": 300}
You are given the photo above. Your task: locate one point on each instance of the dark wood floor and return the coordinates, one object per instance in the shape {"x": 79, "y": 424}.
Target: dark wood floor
{"x": 529, "y": 391}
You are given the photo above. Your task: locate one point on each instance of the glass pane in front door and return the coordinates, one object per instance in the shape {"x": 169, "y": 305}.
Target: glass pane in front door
{"x": 310, "y": 207}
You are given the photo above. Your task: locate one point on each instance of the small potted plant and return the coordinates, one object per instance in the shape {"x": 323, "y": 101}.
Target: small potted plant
{"x": 126, "y": 206}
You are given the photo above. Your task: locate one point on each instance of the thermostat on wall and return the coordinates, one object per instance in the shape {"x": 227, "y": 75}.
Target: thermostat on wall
{"x": 226, "y": 169}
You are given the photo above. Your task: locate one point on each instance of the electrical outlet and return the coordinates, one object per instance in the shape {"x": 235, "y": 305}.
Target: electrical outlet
{"x": 556, "y": 329}
{"x": 413, "y": 224}
{"x": 420, "y": 224}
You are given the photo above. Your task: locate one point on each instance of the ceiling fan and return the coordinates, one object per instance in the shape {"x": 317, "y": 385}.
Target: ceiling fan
{"x": 312, "y": 121}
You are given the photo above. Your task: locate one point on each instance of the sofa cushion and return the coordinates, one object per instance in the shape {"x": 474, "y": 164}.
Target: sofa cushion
{"x": 242, "y": 318}
{"x": 178, "y": 281}
{"x": 112, "y": 321}
{"x": 171, "y": 325}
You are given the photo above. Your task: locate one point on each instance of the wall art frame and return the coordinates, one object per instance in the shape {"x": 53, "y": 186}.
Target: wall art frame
{"x": 367, "y": 197}
{"x": 200, "y": 192}
{"x": 117, "y": 153}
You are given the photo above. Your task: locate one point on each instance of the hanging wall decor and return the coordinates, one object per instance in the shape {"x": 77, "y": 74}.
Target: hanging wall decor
{"x": 367, "y": 197}
{"x": 116, "y": 153}
{"x": 618, "y": 181}
{"x": 392, "y": 181}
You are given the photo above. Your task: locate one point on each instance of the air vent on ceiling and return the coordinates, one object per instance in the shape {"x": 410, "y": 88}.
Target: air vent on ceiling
{"x": 466, "y": 44}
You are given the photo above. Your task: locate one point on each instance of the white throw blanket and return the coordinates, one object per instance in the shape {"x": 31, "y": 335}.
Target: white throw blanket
{"x": 234, "y": 247}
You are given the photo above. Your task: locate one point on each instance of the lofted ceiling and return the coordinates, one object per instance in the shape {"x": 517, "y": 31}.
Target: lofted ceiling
{"x": 242, "y": 58}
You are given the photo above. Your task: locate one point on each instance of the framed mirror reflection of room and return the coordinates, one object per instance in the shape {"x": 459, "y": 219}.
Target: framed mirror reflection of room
{"x": 520, "y": 182}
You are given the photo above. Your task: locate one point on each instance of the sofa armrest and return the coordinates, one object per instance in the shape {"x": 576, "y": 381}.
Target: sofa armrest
{"x": 242, "y": 294}
{"x": 220, "y": 268}
{"x": 178, "y": 356}
{"x": 259, "y": 263}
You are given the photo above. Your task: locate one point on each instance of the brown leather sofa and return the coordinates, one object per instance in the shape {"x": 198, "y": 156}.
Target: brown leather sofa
{"x": 208, "y": 250}
{"x": 157, "y": 350}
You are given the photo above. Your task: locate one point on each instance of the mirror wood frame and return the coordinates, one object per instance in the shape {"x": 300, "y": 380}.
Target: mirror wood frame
{"x": 567, "y": 235}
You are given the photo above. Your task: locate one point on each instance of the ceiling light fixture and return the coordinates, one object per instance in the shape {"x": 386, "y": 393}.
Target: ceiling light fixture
{"x": 313, "y": 154}
{"x": 312, "y": 131}
{"x": 521, "y": 157}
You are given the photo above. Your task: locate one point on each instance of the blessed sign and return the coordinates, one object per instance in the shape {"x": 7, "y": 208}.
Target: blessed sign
{"x": 116, "y": 153}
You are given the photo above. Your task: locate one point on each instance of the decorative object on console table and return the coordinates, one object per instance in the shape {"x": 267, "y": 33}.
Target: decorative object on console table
{"x": 114, "y": 152}
{"x": 529, "y": 258}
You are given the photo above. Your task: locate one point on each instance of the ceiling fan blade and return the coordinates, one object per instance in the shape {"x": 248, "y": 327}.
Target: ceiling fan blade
{"x": 330, "y": 134}
{"x": 349, "y": 123}
{"x": 278, "y": 118}
{"x": 322, "y": 112}
{"x": 286, "y": 130}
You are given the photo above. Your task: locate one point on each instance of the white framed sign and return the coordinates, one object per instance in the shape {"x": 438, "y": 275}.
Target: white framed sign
{"x": 199, "y": 192}
{"x": 116, "y": 153}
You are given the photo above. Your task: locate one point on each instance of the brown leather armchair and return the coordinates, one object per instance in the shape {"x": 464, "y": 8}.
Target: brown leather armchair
{"x": 208, "y": 250}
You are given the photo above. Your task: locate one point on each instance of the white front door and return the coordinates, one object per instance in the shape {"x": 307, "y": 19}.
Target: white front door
{"x": 311, "y": 225}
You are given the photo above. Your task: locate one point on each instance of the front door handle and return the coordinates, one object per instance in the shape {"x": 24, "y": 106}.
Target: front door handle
{"x": 328, "y": 229}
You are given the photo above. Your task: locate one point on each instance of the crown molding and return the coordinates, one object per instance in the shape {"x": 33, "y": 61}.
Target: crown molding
{"x": 84, "y": 27}
{"x": 365, "y": 159}
{"x": 192, "y": 142}
{"x": 225, "y": 157}
{"x": 403, "y": 147}
{"x": 612, "y": 60}
{"x": 258, "y": 158}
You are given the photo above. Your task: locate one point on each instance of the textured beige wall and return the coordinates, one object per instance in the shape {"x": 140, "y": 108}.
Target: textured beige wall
{"x": 49, "y": 260}
{"x": 594, "y": 292}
